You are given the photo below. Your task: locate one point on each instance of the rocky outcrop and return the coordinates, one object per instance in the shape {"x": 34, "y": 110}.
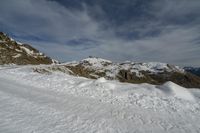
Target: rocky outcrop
{"x": 132, "y": 72}
{"x": 12, "y": 52}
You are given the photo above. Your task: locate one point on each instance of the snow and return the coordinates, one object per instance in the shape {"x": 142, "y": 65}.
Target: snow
{"x": 17, "y": 55}
{"x": 12, "y": 39}
{"x": 96, "y": 60}
{"x": 95, "y": 63}
{"x": 32, "y": 53}
{"x": 177, "y": 91}
{"x": 31, "y": 102}
{"x": 54, "y": 61}
{"x": 28, "y": 51}
{"x": 153, "y": 67}
{"x": 19, "y": 43}
{"x": 112, "y": 69}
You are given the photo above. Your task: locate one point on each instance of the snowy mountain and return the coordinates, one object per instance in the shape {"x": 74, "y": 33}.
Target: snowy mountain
{"x": 12, "y": 52}
{"x": 51, "y": 98}
{"x": 193, "y": 70}
{"x": 133, "y": 72}
{"x": 31, "y": 102}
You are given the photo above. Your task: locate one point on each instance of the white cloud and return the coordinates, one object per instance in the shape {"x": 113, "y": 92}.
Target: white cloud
{"x": 175, "y": 8}
{"x": 176, "y": 44}
{"x": 46, "y": 18}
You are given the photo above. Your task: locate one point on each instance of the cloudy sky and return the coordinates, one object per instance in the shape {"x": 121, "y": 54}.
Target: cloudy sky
{"x": 119, "y": 30}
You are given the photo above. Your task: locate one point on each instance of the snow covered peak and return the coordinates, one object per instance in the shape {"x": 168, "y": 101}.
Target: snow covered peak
{"x": 153, "y": 67}
{"x": 133, "y": 72}
{"x": 91, "y": 62}
{"x": 96, "y": 59}
{"x": 111, "y": 68}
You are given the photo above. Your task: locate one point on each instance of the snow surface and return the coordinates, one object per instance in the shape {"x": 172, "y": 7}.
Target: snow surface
{"x": 17, "y": 55}
{"x": 19, "y": 43}
{"x": 177, "y": 91}
{"x": 59, "y": 103}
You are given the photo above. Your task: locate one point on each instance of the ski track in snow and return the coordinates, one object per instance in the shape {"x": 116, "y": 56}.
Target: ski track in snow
{"x": 59, "y": 103}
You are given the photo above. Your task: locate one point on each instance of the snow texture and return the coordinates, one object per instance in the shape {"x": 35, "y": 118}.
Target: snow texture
{"x": 17, "y": 55}
{"x": 31, "y": 102}
{"x": 28, "y": 51}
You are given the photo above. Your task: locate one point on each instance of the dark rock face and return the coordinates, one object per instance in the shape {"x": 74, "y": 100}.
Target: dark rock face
{"x": 12, "y": 52}
{"x": 131, "y": 77}
{"x": 187, "y": 80}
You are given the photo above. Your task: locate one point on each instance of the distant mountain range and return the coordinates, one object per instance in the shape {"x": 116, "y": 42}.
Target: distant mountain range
{"x": 12, "y": 52}
{"x": 193, "y": 70}
{"x": 131, "y": 72}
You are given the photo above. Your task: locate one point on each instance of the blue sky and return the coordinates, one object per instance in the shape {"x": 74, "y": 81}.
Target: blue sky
{"x": 119, "y": 30}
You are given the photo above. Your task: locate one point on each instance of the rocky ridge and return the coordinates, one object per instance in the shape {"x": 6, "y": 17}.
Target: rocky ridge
{"x": 131, "y": 72}
{"x": 13, "y": 52}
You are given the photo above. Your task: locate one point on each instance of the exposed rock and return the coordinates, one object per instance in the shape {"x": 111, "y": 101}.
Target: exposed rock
{"x": 12, "y": 52}
{"x": 131, "y": 72}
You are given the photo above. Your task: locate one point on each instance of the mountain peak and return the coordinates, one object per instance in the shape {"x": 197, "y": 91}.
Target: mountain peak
{"x": 12, "y": 52}
{"x": 133, "y": 72}
{"x": 4, "y": 37}
{"x": 95, "y": 61}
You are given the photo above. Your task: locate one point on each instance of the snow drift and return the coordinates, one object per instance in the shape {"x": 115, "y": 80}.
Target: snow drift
{"x": 57, "y": 102}
{"x": 177, "y": 91}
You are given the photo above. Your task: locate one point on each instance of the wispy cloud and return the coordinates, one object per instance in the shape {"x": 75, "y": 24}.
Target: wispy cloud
{"x": 166, "y": 31}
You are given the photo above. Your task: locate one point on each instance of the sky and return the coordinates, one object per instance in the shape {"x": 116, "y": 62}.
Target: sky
{"x": 119, "y": 30}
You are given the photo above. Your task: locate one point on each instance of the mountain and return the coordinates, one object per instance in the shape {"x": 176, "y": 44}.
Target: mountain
{"x": 12, "y": 52}
{"x": 193, "y": 70}
{"x": 131, "y": 72}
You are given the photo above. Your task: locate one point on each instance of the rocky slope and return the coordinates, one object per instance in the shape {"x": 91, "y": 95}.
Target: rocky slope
{"x": 131, "y": 72}
{"x": 12, "y": 52}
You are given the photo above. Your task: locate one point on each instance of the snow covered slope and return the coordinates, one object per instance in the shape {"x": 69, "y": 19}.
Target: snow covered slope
{"x": 31, "y": 102}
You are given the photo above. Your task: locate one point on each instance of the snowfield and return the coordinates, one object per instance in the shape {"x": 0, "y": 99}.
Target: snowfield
{"x": 31, "y": 102}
